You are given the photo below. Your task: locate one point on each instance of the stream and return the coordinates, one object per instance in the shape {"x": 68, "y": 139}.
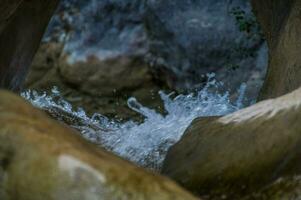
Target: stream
{"x": 146, "y": 143}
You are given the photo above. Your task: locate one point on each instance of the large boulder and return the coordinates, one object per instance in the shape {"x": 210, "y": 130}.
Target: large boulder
{"x": 106, "y": 28}
{"x": 280, "y": 22}
{"x": 180, "y": 41}
{"x": 43, "y": 159}
{"x": 191, "y": 38}
{"x": 288, "y": 188}
{"x": 22, "y": 25}
{"x": 241, "y": 152}
{"x": 94, "y": 51}
{"x": 101, "y": 86}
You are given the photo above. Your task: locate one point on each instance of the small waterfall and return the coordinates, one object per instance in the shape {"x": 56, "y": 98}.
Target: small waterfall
{"x": 143, "y": 143}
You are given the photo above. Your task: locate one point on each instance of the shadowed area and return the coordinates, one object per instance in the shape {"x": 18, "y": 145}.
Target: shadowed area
{"x": 22, "y": 25}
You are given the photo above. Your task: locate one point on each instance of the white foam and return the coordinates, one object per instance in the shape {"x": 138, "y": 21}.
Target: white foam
{"x": 146, "y": 143}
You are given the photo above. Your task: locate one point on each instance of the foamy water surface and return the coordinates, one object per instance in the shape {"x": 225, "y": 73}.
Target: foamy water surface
{"x": 143, "y": 143}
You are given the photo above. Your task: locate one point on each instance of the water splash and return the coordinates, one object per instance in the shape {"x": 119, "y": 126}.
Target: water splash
{"x": 146, "y": 143}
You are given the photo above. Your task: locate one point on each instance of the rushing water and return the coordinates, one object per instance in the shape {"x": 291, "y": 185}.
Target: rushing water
{"x": 143, "y": 143}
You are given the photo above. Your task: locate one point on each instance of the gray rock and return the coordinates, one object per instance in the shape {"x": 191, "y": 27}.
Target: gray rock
{"x": 189, "y": 39}
{"x": 105, "y": 29}
{"x": 181, "y": 40}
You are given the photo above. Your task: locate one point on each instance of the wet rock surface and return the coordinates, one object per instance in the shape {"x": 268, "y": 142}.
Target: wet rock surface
{"x": 102, "y": 52}
{"x": 43, "y": 159}
{"x": 102, "y": 86}
{"x": 241, "y": 152}
{"x": 176, "y": 42}
{"x": 191, "y": 38}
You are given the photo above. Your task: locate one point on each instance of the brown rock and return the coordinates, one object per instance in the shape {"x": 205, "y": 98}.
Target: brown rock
{"x": 241, "y": 152}
{"x": 105, "y": 77}
{"x": 288, "y": 188}
{"x": 280, "y": 22}
{"x": 44, "y": 72}
{"x": 42, "y": 159}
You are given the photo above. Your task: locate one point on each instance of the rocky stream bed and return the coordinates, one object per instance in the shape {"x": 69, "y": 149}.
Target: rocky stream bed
{"x": 154, "y": 99}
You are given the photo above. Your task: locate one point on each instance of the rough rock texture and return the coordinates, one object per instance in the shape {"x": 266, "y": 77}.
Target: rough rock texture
{"x": 42, "y": 159}
{"x": 280, "y": 22}
{"x": 240, "y": 152}
{"x": 106, "y": 28}
{"x": 180, "y": 41}
{"x": 282, "y": 189}
{"x": 22, "y": 25}
{"x": 191, "y": 38}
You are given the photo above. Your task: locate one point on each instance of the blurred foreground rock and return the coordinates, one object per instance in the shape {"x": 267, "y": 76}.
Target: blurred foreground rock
{"x": 43, "y": 159}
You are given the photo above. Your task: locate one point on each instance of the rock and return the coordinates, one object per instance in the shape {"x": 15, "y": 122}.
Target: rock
{"x": 284, "y": 188}
{"x": 101, "y": 68}
{"x": 22, "y": 25}
{"x": 180, "y": 41}
{"x": 105, "y": 29}
{"x": 106, "y": 77}
{"x": 189, "y": 39}
{"x": 44, "y": 71}
{"x": 101, "y": 86}
{"x": 241, "y": 152}
{"x": 281, "y": 25}
{"x": 43, "y": 159}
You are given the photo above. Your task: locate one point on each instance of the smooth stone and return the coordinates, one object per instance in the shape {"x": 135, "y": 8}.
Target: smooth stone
{"x": 41, "y": 158}
{"x": 241, "y": 152}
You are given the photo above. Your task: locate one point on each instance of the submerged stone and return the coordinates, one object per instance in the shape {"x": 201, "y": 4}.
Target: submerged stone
{"x": 43, "y": 159}
{"x": 241, "y": 152}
